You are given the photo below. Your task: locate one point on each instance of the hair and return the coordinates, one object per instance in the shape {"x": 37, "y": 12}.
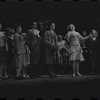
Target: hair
{"x": 33, "y": 22}
{"x": 16, "y": 26}
{"x": 60, "y": 36}
{"x": 9, "y": 31}
{"x": 24, "y": 34}
{"x": 95, "y": 32}
{"x": 68, "y": 28}
{"x": 51, "y": 24}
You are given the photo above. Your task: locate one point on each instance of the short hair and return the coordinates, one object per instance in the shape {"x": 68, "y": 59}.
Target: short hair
{"x": 51, "y": 23}
{"x": 24, "y": 34}
{"x": 16, "y": 25}
{"x": 9, "y": 31}
{"x": 71, "y": 25}
{"x": 95, "y": 32}
{"x": 60, "y": 36}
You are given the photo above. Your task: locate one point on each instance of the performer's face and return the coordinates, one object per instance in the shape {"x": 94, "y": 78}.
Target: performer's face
{"x": 24, "y": 35}
{"x": 60, "y": 38}
{"x": 72, "y": 28}
{"x": 19, "y": 29}
{"x": 52, "y": 27}
{"x": 84, "y": 33}
{"x": 34, "y": 25}
{"x": 94, "y": 34}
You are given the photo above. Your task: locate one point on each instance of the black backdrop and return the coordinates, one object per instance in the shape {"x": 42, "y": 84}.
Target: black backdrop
{"x": 84, "y": 15}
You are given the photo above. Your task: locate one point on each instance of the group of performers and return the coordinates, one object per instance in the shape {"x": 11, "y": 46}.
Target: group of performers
{"x": 22, "y": 54}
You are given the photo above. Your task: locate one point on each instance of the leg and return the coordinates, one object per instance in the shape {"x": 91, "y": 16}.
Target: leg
{"x": 18, "y": 65}
{"x": 77, "y": 68}
{"x": 18, "y": 72}
{"x": 2, "y": 69}
{"x": 74, "y": 67}
{"x": 51, "y": 70}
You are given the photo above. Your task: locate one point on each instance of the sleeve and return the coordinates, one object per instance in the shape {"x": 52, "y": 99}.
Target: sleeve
{"x": 80, "y": 37}
{"x": 56, "y": 38}
{"x": 17, "y": 43}
{"x": 5, "y": 41}
{"x": 28, "y": 36}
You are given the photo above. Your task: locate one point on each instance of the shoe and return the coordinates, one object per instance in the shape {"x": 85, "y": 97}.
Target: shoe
{"x": 54, "y": 76}
{"x": 74, "y": 75}
{"x": 32, "y": 77}
{"x": 51, "y": 76}
{"x": 27, "y": 75}
{"x": 19, "y": 78}
{"x": 3, "y": 78}
{"x": 37, "y": 76}
{"x": 79, "y": 74}
{"x": 92, "y": 73}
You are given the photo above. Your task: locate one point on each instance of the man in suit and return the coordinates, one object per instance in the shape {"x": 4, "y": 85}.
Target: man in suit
{"x": 19, "y": 50}
{"x": 33, "y": 42}
{"x": 93, "y": 48}
{"x": 2, "y": 52}
{"x": 50, "y": 41}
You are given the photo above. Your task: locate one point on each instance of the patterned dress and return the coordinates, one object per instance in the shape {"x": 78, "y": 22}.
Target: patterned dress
{"x": 75, "y": 49}
{"x": 61, "y": 45}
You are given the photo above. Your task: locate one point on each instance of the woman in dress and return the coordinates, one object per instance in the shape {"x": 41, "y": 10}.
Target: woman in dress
{"x": 62, "y": 50}
{"x": 75, "y": 50}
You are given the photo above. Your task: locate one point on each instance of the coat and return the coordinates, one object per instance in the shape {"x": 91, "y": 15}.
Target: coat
{"x": 33, "y": 41}
{"x": 19, "y": 44}
{"x": 93, "y": 48}
{"x": 50, "y": 41}
{"x": 19, "y": 50}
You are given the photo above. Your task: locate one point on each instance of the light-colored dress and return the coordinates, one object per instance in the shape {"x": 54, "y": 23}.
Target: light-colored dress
{"x": 61, "y": 45}
{"x": 75, "y": 50}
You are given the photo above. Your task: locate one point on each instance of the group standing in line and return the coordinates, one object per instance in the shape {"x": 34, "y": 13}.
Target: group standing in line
{"x": 20, "y": 53}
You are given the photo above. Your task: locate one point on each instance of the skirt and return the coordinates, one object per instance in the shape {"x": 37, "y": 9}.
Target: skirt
{"x": 75, "y": 53}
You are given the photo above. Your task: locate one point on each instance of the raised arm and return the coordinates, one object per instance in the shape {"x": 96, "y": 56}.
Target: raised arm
{"x": 83, "y": 38}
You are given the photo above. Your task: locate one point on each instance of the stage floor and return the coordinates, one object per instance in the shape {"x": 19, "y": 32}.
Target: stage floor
{"x": 63, "y": 86}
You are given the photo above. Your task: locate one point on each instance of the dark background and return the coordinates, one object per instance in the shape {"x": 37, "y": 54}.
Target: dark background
{"x": 84, "y": 15}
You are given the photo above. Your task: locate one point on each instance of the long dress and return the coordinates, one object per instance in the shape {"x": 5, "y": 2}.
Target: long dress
{"x": 75, "y": 49}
